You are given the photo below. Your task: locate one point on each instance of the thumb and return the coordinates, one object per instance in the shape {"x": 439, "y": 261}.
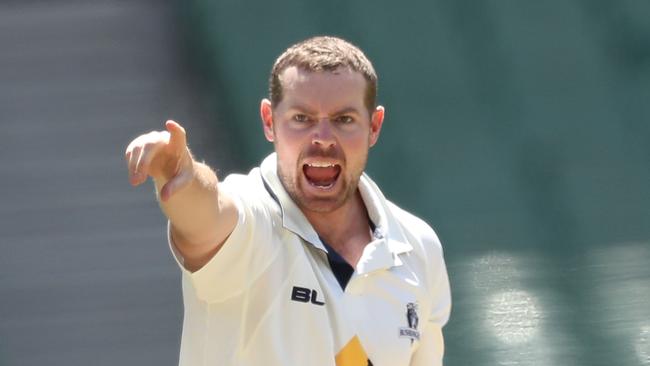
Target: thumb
{"x": 177, "y": 136}
{"x": 175, "y": 184}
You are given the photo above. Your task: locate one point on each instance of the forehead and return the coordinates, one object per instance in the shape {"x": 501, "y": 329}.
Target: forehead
{"x": 337, "y": 88}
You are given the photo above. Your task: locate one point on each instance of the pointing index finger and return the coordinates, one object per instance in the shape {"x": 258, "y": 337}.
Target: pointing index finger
{"x": 177, "y": 137}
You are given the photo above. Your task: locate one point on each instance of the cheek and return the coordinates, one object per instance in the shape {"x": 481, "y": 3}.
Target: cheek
{"x": 288, "y": 149}
{"x": 355, "y": 144}
{"x": 290, "y": 136}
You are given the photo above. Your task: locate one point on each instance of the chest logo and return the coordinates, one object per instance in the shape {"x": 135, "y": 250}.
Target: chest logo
{"x": 302, "y": 294}
{"x": 412, "y": 320}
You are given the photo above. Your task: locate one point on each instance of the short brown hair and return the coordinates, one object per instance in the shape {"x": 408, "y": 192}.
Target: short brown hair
{"x": 324, "y": 53}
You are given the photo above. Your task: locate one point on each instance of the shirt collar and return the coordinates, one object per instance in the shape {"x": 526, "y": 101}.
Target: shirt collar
{"x": 389, "y": 240}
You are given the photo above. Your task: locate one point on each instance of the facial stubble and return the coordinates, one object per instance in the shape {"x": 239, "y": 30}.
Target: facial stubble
{"x": 293, "y": 185}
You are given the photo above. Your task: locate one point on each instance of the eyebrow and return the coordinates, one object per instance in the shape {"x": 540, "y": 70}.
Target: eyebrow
{"x": 346, "y": 110}
{"x": 303, "y": 108}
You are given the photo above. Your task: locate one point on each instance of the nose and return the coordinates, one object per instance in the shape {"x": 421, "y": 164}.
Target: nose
{"x": 323, "y": 134}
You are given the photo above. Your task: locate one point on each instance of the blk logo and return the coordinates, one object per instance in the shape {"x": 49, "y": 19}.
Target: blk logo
{"x": 412, "y": 320}
{"x": 302, "y": 294}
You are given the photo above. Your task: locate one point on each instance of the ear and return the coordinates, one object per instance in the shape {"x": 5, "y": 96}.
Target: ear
{"x": 376, "y": 121}
{"x": 266, "y": 112}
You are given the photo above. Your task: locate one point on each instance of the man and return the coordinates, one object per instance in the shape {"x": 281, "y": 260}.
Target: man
{"x": 302, "y": 261}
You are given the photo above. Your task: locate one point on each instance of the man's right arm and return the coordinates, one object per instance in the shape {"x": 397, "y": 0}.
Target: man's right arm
{"x": 201, "y": 216}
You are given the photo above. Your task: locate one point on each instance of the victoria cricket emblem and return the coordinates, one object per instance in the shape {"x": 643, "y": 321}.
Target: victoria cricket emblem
{"x": 412, "y": 320}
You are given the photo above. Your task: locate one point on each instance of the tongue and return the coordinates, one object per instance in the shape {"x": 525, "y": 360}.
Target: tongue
{"x": 321, "y": 176}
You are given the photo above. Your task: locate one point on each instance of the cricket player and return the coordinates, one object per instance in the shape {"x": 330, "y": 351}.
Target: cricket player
{"x": 302, "y": 261}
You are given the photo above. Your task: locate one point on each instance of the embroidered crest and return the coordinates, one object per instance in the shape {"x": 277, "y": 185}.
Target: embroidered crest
{"x": 412, "y": 320}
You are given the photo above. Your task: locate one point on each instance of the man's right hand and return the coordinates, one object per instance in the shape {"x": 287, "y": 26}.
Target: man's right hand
{"x": 201, "y": 217}
{"x": 164, "y": 156}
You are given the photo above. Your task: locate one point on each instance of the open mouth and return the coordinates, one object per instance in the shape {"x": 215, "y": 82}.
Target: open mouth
{"x": 321, "y": 175}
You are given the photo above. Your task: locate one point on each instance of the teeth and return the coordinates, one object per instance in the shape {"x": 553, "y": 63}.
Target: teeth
{"x": 323, "y": 187}
{"x": 321, "y": 165}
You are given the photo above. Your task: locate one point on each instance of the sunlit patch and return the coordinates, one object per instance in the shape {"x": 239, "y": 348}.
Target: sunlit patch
{"x": 621, "y": 257}
{"x": 528, "y": 358}
{"x": 621, "y": 271}
{"x": 514, "y": 316}
{"x": 643, "y": 345}
{"x": 495, "y": 271}
{"x": 623, "y": 294}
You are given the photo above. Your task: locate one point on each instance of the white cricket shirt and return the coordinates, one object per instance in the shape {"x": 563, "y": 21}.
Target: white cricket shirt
{"x": 269, "y": 296}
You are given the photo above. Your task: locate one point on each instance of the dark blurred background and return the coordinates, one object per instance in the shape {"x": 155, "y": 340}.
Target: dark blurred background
{"x": 519, "y": 130}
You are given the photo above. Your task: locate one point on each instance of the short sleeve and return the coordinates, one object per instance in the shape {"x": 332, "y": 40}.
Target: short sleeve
{"x": 432, "y": 345}
{"x": 441, "y": 303}
{"x": 226, "y": 274}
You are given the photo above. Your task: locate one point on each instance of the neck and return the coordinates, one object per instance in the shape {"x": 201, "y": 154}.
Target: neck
{"x": 344, "y": 226}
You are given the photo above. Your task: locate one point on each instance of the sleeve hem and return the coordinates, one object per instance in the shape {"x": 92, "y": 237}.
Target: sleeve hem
{"x": 208, "y": 280}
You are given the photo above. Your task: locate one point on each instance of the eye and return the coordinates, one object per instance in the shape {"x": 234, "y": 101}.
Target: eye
{"x": 301, "y": 118}
{"x": 345, "y": 119}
